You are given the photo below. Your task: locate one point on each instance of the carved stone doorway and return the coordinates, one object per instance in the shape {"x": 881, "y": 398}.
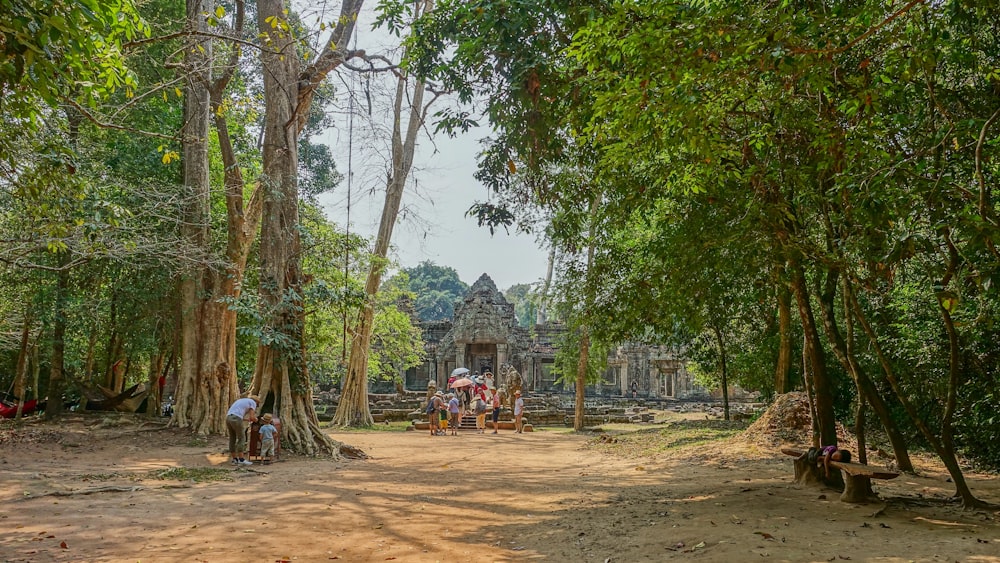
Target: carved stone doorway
{"x": 483, "y": 356}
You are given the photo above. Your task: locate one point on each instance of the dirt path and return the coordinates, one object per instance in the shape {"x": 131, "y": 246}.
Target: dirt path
{"x": 549, "y": 496}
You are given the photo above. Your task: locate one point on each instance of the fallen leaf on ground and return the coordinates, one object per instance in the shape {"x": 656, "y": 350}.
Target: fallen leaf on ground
{"x": 63, "y": 545}
{"x": 765, "y": 535}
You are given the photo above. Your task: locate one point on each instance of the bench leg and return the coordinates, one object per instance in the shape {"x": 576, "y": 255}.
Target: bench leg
{"x": 812, "y": 475}
{"x": 858, "y": 489}
{"x": 805, "y": 472}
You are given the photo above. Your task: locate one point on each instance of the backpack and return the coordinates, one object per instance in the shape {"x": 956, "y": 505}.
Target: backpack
{"x": 430, "y": 406}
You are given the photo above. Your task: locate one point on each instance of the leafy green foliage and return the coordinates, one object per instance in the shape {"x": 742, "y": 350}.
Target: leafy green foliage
{"x": 525, "y": 301}
{"x": 50, "y": 50}
{"x": 436, "y": 289}
{"x": 722, "y": 141}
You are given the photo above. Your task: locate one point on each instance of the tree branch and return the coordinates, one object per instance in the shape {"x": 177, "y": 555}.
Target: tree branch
{"x": 868, "y": 33}
{"x": 93, "y": 119}
{"x": 189, "y": 33}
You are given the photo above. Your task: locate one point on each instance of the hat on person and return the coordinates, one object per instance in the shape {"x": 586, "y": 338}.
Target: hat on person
{"x": 254, "y": 398}
{"x": 439, "y": 394}
{"x": 267, "y": 418}
{"x": 517, "y": 392}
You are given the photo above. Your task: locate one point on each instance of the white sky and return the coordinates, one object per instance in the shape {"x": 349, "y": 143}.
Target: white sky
{"x": 432, "y": 224}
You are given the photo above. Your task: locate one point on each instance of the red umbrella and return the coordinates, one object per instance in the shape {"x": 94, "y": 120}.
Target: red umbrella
{"x": 462, "y": 382}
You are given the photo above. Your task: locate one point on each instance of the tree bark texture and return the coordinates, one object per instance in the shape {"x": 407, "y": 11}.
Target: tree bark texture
{"x": 783, "y": 367}
{"x": 206, "y": 382}
{"x": 54, "y": 404}
{"x": 723, "y": 370}
{"x": 581, "y": 378}
{"x": 584, "y": 361}
{"x": 822, "y": 388}
{"x": 281, "y": 367}
{"x": 21, "y": 370}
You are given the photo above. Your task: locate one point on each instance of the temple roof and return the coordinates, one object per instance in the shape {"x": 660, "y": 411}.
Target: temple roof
{"x": 484, "y": 286}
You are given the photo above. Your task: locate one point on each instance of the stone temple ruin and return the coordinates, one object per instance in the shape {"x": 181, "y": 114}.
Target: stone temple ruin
{"x": 484, "y": 335}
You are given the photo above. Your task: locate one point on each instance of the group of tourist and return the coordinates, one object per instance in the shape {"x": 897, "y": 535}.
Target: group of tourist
{"x": 446, "y": 410}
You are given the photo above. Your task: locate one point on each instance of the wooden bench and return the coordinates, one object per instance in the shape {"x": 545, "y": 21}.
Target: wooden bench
{"x": 857, "y": 484}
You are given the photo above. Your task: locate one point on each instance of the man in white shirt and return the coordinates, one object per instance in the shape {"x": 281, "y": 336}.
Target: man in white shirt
{"x": 241, "y": 410}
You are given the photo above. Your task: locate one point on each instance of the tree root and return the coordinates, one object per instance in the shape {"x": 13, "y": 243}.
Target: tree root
{"x": 352, "y": 452}
{"x": 104, "y": 489}
{"x": 91, "y": 491}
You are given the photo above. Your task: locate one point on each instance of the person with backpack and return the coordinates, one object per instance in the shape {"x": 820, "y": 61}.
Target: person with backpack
{"x": 434, "y": 406}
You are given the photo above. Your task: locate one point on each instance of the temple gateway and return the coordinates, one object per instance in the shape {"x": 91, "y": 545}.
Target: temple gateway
{"x": 485, "y": 335}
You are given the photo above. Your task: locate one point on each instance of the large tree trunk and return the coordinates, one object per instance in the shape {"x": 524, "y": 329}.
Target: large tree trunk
{"x": 723, "y": 369}
{"x": 584, "y": 361}
{"x": 353, "y": 407}
{"x": 281, "y": 367}
{"x": 54, "y": 404}
{"x": 207, "y": 382}
{"x": 783, "y": 367}
{"x": 581, "y": 378}
{"x": 21, "y": 370}
{"x": 110, "y": 350}
{"x": 822, "y": 389}
{"x": 88, "y": 363}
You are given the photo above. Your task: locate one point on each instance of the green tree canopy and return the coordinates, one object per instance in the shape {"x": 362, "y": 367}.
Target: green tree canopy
{"x": 436, "y": 288}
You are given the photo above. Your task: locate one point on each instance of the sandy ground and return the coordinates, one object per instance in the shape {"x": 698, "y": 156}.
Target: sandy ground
{"x": 88, "y": 491}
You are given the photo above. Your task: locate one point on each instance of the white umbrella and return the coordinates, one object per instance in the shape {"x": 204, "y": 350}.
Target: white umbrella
{"x": 460, "y": 371}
